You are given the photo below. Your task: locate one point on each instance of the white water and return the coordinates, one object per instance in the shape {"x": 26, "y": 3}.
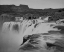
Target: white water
{"x": 12, "y": 39}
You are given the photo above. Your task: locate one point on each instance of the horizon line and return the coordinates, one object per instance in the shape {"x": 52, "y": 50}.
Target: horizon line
{"x": 33, "y": 8}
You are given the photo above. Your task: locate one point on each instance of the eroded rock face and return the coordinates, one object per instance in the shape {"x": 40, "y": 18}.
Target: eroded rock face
{"x": 39, "y": 41}
{"x": 45, "y": 42}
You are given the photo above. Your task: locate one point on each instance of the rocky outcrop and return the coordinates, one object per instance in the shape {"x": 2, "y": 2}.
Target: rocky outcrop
{"x": 21, "y": 10}
{"x": 12, "y": 8}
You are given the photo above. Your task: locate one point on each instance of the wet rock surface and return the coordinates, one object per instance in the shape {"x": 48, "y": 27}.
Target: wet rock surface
{"x": 31, "y": 37}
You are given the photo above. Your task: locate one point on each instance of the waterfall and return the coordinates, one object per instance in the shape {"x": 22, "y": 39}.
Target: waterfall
{"x": 15, "y": 31}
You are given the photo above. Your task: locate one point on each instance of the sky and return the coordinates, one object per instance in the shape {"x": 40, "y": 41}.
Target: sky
{"x": 36, "y": 4}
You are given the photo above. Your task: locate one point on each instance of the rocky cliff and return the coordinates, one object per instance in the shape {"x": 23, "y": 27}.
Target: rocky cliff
{"x": 24, "y": 9}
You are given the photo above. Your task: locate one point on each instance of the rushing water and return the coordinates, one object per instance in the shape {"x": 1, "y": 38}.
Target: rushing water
{"x": 13, "y": 33}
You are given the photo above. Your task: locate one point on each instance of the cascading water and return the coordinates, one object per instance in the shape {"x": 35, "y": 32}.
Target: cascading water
{"x": 13, "y": 32}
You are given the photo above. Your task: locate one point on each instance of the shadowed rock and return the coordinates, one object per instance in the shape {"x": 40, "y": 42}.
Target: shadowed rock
{"x": 36, "y": 42}
{"x": 16, "y": 27}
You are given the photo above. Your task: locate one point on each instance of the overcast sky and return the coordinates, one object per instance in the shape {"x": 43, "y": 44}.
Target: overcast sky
{"x": 40, "y": 4}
